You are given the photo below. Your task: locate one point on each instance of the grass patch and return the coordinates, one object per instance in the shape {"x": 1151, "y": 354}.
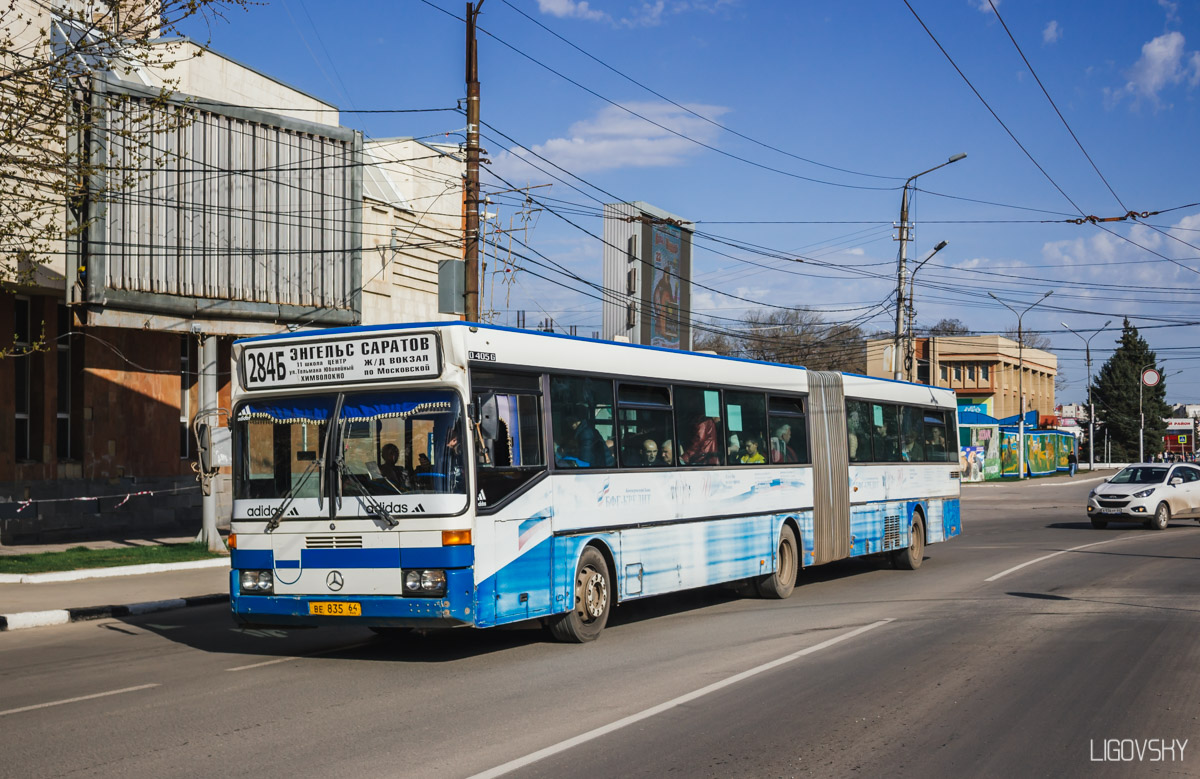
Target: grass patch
{"x": 81, "y": 557}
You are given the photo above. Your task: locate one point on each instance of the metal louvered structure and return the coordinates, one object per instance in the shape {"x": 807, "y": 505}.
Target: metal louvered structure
{"x": 204, "y": 211}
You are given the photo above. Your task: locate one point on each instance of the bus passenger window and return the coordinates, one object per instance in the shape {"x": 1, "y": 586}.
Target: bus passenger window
{"x": 789, "y": 435}
{"x": 859, "y": 431}
{"x": 913, "y": 434}
{"x": 582, "y": 413}
{"x": 746, "y": 415}
{"x": 698, "y": 414}
{"x": 937, "y": 447}
{"x": 886, "y": 420}
{"x": 646, "y": 426}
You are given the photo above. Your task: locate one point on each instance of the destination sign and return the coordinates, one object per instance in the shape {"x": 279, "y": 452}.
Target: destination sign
{"x": 348, "y": 360}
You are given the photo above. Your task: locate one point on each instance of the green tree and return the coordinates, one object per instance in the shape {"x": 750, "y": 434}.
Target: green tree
{"x": 1115, "y": 393}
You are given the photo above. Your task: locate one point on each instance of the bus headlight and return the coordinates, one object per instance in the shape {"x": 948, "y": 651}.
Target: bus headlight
{"x": 425, "y": 583}
{"x": 257, "y": 583}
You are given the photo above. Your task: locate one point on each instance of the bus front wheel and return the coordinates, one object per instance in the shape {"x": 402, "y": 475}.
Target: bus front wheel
{"x": 780, "y": 584}
{"x": 593, "y": 601}
{"x": 910, "y": 559}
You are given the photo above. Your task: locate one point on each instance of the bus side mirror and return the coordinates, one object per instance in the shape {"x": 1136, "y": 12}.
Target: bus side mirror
{"x": 489, "y": 411}
{"x": 214, "y": 447}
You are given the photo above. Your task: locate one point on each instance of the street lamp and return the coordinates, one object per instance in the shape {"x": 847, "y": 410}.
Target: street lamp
{"x": 903, "y": 256}
{"x": 912, "y": 280}
{"x": 1021, "y": 378}
{"x": 1087, "y": 345}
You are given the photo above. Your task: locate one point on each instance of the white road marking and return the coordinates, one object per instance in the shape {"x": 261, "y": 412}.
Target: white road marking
{"x": 570, "y": 743}
{"x": 1064, "y": 551}
{"x": 76, "y": 700}
{"x": 299, "y": 657}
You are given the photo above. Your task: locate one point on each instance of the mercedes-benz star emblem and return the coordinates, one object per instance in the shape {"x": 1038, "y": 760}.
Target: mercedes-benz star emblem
{"x": 334, "y": 580}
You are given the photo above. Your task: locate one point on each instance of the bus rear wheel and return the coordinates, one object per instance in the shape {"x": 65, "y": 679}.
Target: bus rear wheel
{"x": 780, "y": 584}
{"x": 593, "y": 601}
{"x": 910, "y": 559}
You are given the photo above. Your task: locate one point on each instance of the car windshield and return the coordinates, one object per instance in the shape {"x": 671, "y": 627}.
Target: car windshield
{"x": 391, "y": 443}
{"x": 1140, "y": 475}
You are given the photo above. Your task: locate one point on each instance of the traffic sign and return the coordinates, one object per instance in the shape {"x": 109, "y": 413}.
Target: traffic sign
{"x": 1151, "y": 377}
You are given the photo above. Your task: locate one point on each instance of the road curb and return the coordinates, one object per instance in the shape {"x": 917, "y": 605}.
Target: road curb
{"x": 37, "y": 619}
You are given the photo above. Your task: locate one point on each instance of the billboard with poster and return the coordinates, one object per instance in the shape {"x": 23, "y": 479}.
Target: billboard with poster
{"x": 666, "y": 279}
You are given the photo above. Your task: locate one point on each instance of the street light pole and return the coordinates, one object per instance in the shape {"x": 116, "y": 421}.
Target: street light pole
{"x": 908, "y": 341}
{"x": 904, "y": 239}
{"x": 1021, "y": 379}
{"x": 1087, "y": 346}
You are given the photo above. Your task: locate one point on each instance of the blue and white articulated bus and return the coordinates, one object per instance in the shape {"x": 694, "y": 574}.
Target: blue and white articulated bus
{"x": 453, "y": 474}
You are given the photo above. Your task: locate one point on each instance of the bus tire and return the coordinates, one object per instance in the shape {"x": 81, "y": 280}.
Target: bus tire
{"x": 593, "y": 601}
{"x": 910, "y": 559}
{"x": 779, "y": 585}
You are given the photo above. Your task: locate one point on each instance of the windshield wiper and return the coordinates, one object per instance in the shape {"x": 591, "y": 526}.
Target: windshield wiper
{"x": 375, "y": 508}
{"x": 290, "y": 495}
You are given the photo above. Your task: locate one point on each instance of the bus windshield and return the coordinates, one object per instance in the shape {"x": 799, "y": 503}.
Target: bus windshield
{"x": 388, "y": 443}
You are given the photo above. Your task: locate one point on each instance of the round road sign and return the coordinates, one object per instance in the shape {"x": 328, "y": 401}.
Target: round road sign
{"x": 1151, "y": 377}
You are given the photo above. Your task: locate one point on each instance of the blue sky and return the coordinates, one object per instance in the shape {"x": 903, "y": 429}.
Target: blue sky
{"x": 793, "y": 125}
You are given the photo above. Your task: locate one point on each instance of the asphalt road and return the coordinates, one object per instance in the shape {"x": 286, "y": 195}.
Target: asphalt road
{"x": 1071, "y": 665}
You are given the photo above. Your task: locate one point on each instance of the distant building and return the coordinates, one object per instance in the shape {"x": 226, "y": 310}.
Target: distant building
{"x": 983, "y": 370}
{"x": 647, "y": 276}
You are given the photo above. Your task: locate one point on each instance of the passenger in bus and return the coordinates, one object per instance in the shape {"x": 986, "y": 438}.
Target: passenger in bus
{"x": 423, "y": 473}
{"x": 703, "y": 448}
{"x": 781, "y": 450}
{"x": 649, "y": 451}
{"x": 752, "y": 455}
{"x": 398, "y": 476}
{"x": 453, "y": 466}
{"x": 734, "y": 451}
{"x": 666, "y": 453}
{"x": 586, "y": 445}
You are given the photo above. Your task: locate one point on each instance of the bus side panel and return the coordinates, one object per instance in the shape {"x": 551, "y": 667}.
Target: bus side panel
{"x": 668, "y": 558}
{"x": 951, "y": 518}
{"x": 513, "y": 556}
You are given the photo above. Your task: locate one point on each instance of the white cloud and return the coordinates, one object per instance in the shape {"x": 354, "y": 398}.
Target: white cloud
{"x": 571, "y": 9}
{"x": 1172, "y": 9}
{"x": 615, "y": 139}
{"x": 1052, "y": 33}
{"x": 984, "y": 6}
{"x": 1164, "y": 62}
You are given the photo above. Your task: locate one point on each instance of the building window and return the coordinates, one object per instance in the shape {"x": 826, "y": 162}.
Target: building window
{"x": 958, "y": 373}
{"x": 983, "y": 373}
{"x": 21, "y": 361}
{"x": 945, "y": 373}
{"x": 63, "y": 436}
{"x": 970, "y": 373}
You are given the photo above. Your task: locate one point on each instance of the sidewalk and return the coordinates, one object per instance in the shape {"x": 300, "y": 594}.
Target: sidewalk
{"x": 70, "y": 596}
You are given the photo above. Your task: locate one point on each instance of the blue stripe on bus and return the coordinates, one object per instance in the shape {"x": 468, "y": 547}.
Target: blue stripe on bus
{"x": 421, "y": 557}
{"x": 437, "y": 557}
{"x": 259, "y": 559}
{"x": 350, "y": 558}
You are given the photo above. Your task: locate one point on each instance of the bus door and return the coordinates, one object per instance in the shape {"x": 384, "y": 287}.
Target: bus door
{"x": 831, "y": 466}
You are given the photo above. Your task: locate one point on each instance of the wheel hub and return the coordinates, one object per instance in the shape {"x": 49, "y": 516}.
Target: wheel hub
{"x": 595, "y": 593}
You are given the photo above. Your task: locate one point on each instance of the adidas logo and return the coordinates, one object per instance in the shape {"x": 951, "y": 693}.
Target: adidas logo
{"x": 295, "y": 512}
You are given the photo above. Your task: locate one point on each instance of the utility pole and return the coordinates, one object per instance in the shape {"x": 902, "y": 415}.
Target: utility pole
{"x": 901, "y": 273}
{"x": 471, "y": 253}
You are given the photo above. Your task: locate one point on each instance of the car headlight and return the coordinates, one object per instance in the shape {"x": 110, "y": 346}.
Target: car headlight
{"x": 425, "y": 583}
{"x": 1092, "y": 494}
{"x": 257, "y": 582}
{"x": 1144, "y": 493}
